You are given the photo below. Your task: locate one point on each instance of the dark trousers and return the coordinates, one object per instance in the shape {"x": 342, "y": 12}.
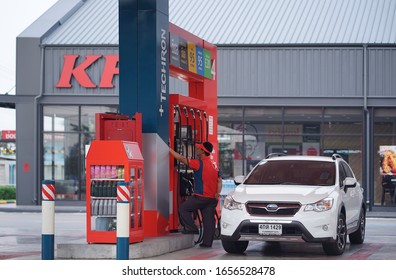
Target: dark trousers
{"x": 207, "y": 207}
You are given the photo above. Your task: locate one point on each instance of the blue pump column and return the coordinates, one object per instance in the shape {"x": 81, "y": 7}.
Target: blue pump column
{"x": 144, "y": 82}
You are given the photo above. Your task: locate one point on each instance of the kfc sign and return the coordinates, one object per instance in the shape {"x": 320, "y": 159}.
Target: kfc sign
{"x": 9, "y": 135}
{"x": 78, "y": 72}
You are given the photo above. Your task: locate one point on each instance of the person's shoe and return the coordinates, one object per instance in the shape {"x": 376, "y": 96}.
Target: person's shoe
{"x": 185, "y": 231}
{"x": 205, "y": 246}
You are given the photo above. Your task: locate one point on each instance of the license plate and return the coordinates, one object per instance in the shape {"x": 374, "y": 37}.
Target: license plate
{"x": 270, "y": 229}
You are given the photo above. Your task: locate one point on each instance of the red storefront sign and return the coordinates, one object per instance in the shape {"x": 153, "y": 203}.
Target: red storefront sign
{"x": 9, "y": 135}
{"x": 70, "y": 69}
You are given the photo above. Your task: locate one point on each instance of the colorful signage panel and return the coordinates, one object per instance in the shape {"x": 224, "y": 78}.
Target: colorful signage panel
{"x": 174, "y": 50}
{"x": 190, "y": 57}
{"x": 192, "y": 65}
{"x": 200, "y": 61}
{"x": 183, "y": 54}
{"x": 207, "y": 64}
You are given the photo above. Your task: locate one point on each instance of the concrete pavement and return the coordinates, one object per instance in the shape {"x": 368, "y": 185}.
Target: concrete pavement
{"x": 20, "y": 236}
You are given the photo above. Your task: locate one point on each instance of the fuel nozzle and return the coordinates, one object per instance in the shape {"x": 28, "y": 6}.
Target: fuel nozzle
{"x": 192, "y": 113}
{"x": 174, "y": 111}
{"x": 185, "y": 111}
{"x": 199, "y": 114}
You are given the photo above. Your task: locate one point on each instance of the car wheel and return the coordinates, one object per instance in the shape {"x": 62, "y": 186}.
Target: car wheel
{"x": 337, "y": 247}
{"x": 234, "y": 247}
{"x": 357, "y": 237}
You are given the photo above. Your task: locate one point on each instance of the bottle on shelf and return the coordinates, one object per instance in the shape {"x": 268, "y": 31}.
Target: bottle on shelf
{"x": 97, "y": 171}
{"x": 120, "y": 172}
{"x": 113, "y": 172}
{"x": 114, "y": 189}
{"x": 108, "y": 171}
{"x": 93, "y": 175}
{"x": 93, "y": 188}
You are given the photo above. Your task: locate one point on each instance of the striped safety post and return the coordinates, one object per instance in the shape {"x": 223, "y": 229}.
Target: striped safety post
{"x": 48, "y": 219}
{"x": 123, "y": 220}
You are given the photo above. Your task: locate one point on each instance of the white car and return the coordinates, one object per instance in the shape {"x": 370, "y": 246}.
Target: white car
{"x": 295, "y": 199}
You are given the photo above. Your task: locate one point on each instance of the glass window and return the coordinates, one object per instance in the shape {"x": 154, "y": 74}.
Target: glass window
{"x": 263, "y": 114}
{"x": 88, "y": 116}
{"x": 302, "y": 131}
{"x": 294, "y": 130}
{"x": 384, "y": 157}
{"x": 68, "y": 130}
{"x": 230, "y": 113}
{"x": 61, "y": 163}
{"x": 303, "y": 115}
{"x": 384, "y": 121}
{"x": 292, "y": 145}
{"x": 347, "y": 170}
{"x": 342, "y": 134}
{"x": 342, "y": 175}
{"x": 263, "y": 130}
{"x": 293, "y": 172}
{"x": 230, "y": 147}
{"x": 342, "y": 121}
{"x": 349, "y": 147}
{"x": 230, "y": 139}
{"x": 61, "y": 118}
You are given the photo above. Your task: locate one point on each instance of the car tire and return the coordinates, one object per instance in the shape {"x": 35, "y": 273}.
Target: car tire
{"x": 337, "y": 247}
{"x": 357, "y": 237}
{"x": 234, "y": 247}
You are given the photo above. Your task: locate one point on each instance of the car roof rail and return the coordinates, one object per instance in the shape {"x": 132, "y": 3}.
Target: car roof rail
{"x": 335, "y": 156}
{"x": 271, "y": 155}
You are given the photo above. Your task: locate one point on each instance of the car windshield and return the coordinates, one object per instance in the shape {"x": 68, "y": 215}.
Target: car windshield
{"x": 293, "y": 172}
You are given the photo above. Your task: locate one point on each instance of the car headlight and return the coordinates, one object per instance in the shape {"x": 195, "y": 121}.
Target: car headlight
{"x": 231, "y": 204}
{"x": 320, "y": 206}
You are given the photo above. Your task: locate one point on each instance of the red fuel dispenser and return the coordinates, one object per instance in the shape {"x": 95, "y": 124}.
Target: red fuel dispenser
{"x": 188, "y": 126}
{"x": 193, "y": 119}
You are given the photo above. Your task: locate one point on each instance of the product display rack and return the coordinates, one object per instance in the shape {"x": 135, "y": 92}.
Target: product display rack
{"x": 109, "y": 162}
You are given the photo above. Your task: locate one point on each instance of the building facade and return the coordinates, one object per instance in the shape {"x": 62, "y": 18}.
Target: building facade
{"x": 290, "y": 79}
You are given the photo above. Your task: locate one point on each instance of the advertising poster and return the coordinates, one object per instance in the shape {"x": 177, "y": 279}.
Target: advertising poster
{"x": 388, "y": 160}
{"x": 310, "y": 149}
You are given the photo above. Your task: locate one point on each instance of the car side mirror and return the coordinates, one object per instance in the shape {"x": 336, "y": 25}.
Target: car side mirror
{"x": 349, "y": 182}
{"x": 239, "y": 179}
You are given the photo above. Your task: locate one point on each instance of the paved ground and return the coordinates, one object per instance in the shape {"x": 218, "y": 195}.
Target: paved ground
{"x": 380, "y": 244}
{"x": 20, "y": 238}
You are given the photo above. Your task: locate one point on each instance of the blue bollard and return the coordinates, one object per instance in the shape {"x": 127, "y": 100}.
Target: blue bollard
{"x": 123, "y": 220}
{"x": 48, "y": 220}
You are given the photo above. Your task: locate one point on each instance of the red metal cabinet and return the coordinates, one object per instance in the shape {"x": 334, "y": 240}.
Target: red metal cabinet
{"x": 109, "y": 162}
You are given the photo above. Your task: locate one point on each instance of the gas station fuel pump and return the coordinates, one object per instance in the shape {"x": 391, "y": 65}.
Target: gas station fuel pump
{"x": 191, "y": 118}
{"x": 186, "y": 129}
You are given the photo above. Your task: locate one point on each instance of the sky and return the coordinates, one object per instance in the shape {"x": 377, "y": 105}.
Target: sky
{"x": 15, "y": 16}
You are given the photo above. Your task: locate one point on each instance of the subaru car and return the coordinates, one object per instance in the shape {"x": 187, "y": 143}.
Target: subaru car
{"x": 295, "y": 199}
